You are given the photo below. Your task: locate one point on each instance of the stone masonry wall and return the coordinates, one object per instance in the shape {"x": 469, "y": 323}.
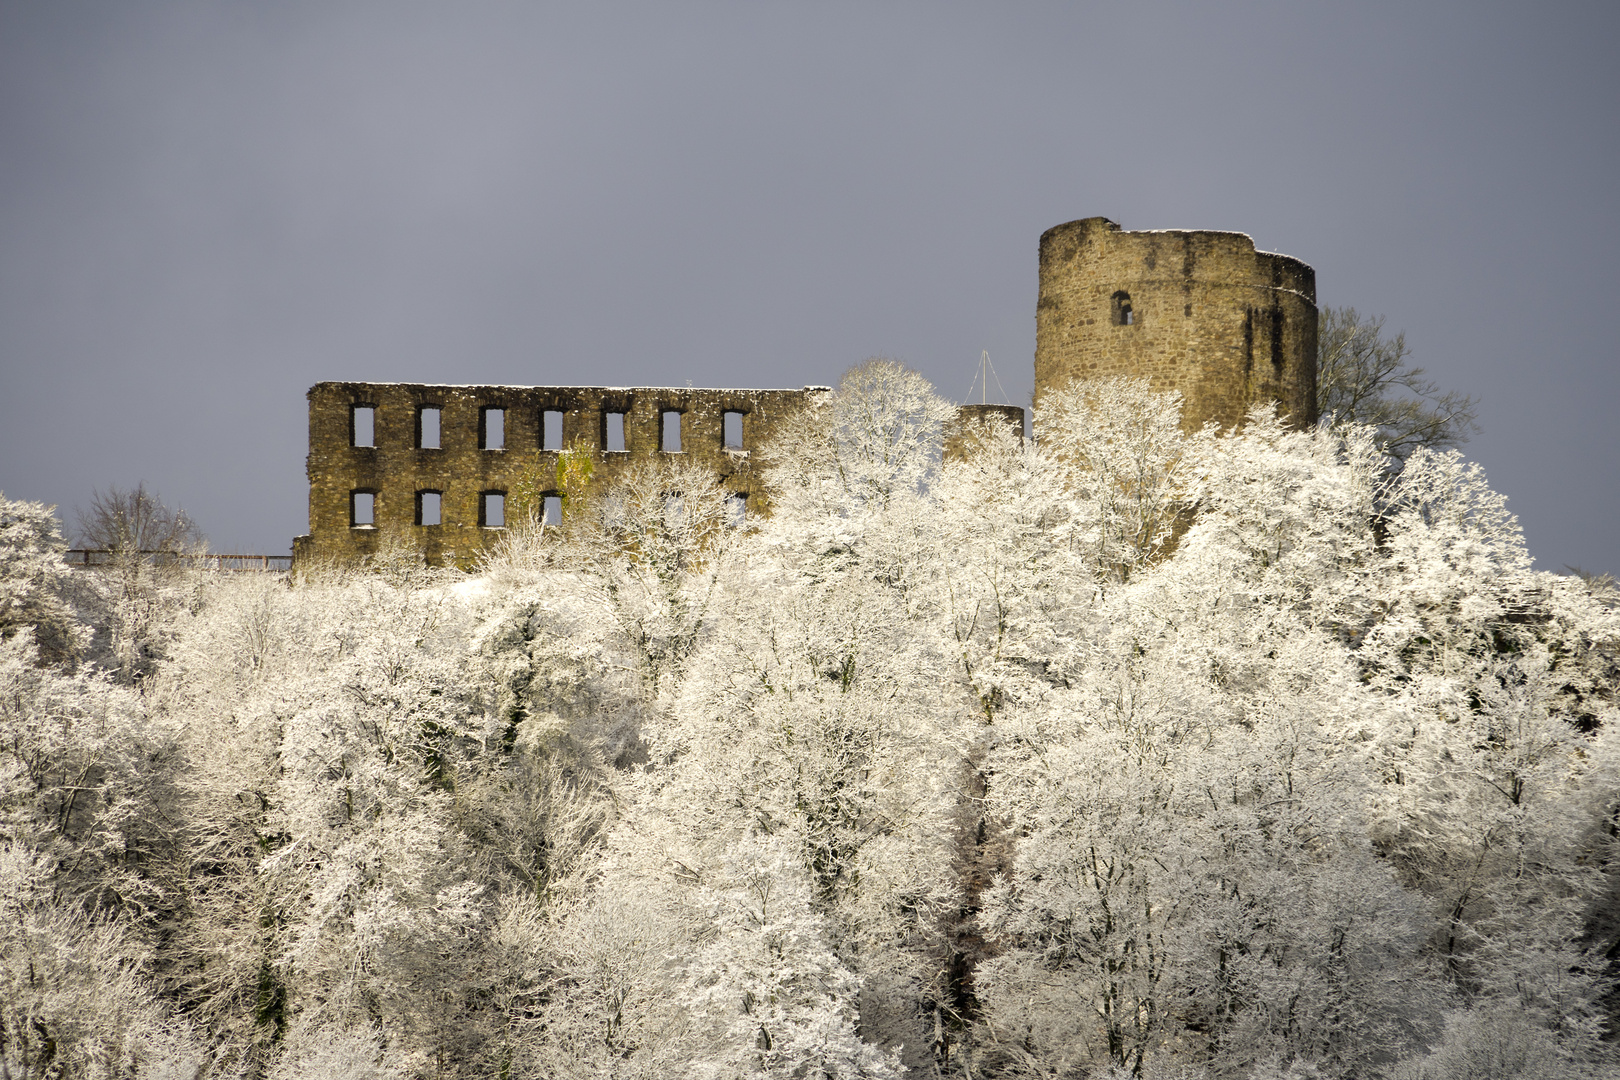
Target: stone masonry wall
{"x": 961, "y": 432}
{"x": 396, "y": 467}
{"x": 1199, "y": 312}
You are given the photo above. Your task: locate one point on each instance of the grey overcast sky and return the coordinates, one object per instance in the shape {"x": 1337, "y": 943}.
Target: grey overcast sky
{"x": 207, "y": 207}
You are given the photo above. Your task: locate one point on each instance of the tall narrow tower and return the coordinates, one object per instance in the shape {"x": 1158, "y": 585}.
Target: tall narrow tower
{"x": 1199, "y": 312}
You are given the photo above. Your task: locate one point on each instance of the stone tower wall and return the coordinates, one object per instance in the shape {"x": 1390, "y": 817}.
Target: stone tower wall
{"x": 961, "y": 434}
{"x": 1199, "y": 312}
{"x": 396, "y": 468}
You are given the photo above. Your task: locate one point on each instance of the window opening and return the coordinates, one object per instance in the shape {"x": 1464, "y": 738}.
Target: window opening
{"x": 362, "y": 509}
{"x": 1123, "y": 315}
{"x": 732, "y": 425}
{"x": 427, "y": 427}
{"x": 551, "y": 423}
{"x": 613, "y": 432}
{"x": 492, "y": 429}
{"x": 362, "y": 425}
{"x": 672, "y": 431}
{"x": 674, "y": 511}
{"x": 551, "y": 510}
{"x": 492, "y": 509}
{"x": 737, "y": 509}
{"x": 427, "y": 507}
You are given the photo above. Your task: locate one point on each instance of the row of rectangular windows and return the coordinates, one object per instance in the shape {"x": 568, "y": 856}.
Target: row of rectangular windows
{"x": 491, "y": 508}
{"x": 429, "y": 508}
{"x": 492, "y": 428}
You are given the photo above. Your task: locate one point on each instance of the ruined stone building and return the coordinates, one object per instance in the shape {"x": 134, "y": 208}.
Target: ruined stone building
{"x": 435, "y": 464}
{"x": 1199, "y": 312}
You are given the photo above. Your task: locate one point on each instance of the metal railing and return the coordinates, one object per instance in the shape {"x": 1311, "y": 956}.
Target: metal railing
{"x": 230, "y": 564}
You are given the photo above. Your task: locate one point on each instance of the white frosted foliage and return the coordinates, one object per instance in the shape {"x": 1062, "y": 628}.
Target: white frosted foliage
{"x": 1137, "y": 753}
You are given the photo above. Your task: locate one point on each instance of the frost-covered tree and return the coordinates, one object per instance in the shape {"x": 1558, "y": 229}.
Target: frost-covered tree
{"x": 141, "y": 576}
{"x": 652, "y": 548}
{"x": 1121, "y": 459}
{"x": 34, "y": 581}
{"x": 76, "y": 993}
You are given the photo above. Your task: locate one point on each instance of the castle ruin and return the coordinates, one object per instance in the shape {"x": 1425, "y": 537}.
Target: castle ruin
{"x": 1195, "y": 311}
{"x": 434, "y": 464}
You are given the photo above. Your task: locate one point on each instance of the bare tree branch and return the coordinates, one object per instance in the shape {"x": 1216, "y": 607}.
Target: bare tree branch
{"x": 126, "y": 521}
{"x": 1363, "y": 377}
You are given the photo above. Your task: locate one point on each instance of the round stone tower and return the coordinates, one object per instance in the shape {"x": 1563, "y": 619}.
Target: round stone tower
{"x": 1199, "y": 312}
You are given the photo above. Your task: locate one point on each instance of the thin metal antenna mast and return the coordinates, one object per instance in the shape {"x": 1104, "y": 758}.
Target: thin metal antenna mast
{"x": 981, "y": 379}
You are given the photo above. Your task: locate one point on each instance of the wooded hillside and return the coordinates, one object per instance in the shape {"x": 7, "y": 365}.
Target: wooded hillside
{"x": 1191, "y": 756}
